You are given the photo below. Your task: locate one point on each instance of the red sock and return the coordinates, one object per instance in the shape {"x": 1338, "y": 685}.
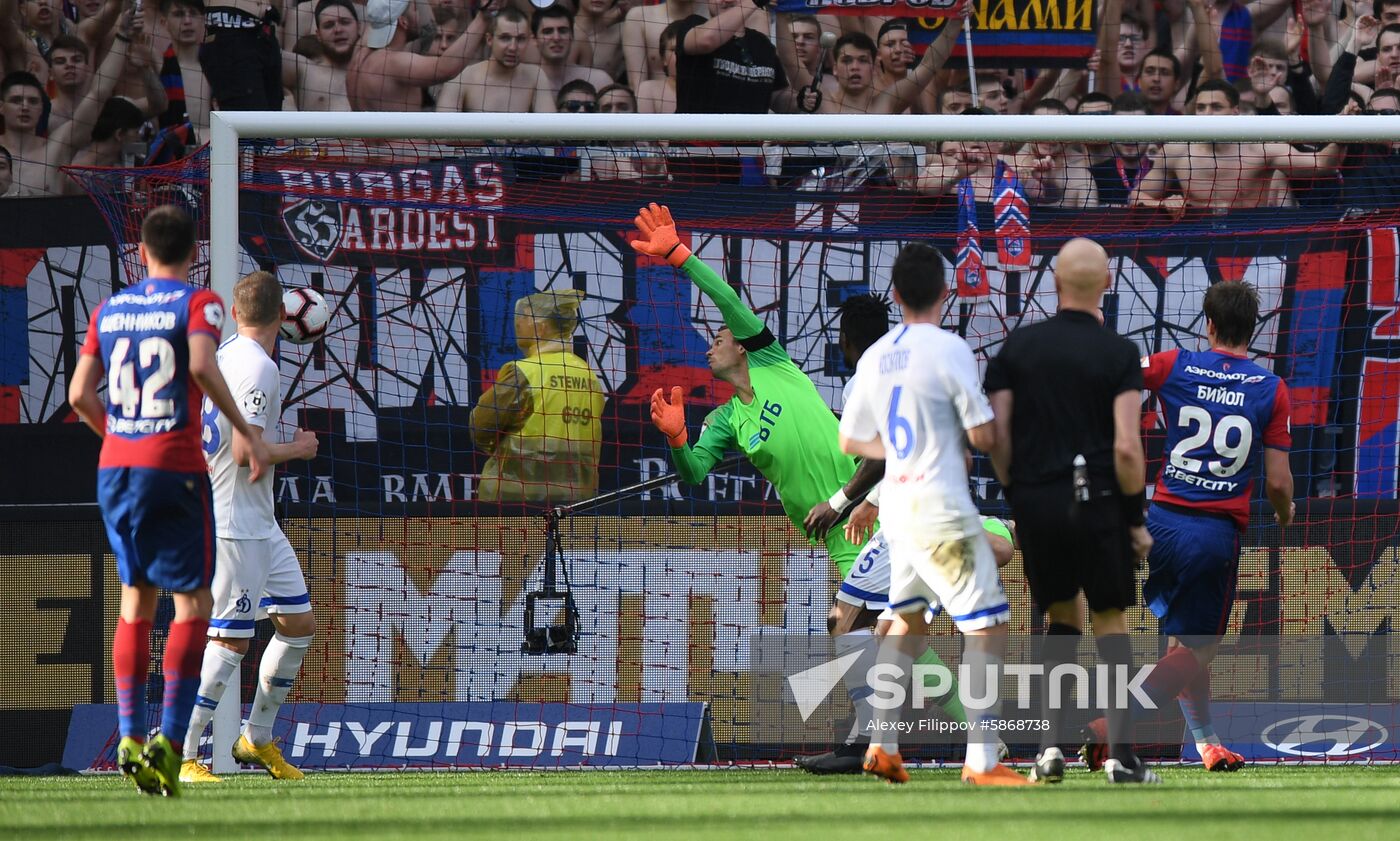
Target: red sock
{"x": 184, "y": 655}
{"x": 131, "y": 659}
{"x": 1170, "y": 675}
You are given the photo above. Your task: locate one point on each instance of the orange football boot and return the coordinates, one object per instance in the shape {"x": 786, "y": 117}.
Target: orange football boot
{"x": 1220, "y": 758}
{"x": 888, "y": 767}
{"x": 997, "y": 775}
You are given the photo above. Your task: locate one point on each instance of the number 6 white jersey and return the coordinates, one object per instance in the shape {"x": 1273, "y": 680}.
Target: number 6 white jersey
{"x": 917, "y": 388}
{"x": 242, "y": 509}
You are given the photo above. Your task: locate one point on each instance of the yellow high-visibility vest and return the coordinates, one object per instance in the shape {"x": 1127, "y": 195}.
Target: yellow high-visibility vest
{"x": 554, "y": 458}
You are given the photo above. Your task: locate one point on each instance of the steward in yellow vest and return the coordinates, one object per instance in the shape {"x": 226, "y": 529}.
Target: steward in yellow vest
{"x": 541, "y": 422}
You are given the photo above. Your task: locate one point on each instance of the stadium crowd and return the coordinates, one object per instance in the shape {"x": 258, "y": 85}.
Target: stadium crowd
{"x": 122, "y": 82}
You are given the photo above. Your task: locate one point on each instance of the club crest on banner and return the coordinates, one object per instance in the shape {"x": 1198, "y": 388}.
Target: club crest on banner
{"x": 315, "y": 226}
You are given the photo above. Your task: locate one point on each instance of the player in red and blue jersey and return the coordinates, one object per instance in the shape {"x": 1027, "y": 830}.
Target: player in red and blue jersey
{"x": 1222, "y": 412}
{"x": 156, "y": 343}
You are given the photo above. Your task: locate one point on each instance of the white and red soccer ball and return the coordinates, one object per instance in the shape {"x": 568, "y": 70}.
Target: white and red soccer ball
{"x": 307, "y": 315}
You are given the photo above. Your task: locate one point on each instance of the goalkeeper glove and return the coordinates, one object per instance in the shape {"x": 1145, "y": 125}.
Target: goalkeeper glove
{"x": 669, "y": 417}
{"x": 655, "y": 223}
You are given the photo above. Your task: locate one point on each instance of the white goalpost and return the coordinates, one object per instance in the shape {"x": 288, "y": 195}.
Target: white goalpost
{"x": 230, "y": 129}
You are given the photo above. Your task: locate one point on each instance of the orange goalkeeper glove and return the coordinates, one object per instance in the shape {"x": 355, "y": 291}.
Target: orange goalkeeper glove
{"x": 669, "y": 417}
{"x": 655, "y": 223}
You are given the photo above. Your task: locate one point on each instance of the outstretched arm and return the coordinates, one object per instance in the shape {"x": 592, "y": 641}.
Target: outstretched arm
{"x": 1207, "y": 42}
{"x": 903, "y": 93}
{"x": 420, "y": 71}
{"x": 1110, "y": 78}
{"x": 1286, "y": 159}
{"x": 77, "y": 132}
{"x": 655, "y": 223}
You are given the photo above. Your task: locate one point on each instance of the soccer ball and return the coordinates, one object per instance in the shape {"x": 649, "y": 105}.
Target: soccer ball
{"x": 307, "y": 316}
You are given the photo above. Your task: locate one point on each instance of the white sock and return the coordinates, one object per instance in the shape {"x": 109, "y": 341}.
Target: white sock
{"x": 219, "y": 667}
{"x": 861, "y": 712}
{"x": 982, "y": 703}
{"x": 281, "y": 662}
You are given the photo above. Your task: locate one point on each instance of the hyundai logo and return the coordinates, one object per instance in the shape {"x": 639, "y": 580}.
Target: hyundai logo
{"x": 1324, "y": 735}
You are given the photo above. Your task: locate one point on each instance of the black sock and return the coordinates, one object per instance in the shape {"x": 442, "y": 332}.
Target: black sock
{"x": 1061, "y": 645}
{"x": 1116, "y": 650}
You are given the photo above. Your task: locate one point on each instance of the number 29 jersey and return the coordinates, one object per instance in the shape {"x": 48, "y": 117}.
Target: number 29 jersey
{"x": 141, "y": 336}
{"x": 1220, "y": 411}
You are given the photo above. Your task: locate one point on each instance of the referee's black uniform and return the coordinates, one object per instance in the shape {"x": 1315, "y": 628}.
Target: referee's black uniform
{"x": 1064, "y": 374}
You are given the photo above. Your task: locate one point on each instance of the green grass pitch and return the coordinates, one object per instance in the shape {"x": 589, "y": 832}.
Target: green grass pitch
{"x": 1279, "y": 804}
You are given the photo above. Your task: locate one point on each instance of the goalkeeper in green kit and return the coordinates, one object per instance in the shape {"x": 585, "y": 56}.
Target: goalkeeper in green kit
{"x": 778, "y": 420}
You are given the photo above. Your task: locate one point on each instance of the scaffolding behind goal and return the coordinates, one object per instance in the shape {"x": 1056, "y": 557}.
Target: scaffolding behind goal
{"x": 598, "y": 613}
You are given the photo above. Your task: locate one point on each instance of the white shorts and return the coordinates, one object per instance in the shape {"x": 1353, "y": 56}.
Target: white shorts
{"x": 867, "y": 585}
{"x": 959, "y": 574}
{"x": 252, "y": 579}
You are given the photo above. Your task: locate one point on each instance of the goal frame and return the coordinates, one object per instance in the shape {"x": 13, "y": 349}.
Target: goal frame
{"x": 229, "y": 128}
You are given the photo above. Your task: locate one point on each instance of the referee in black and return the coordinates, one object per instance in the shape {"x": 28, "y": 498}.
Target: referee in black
{"x": 1067, "y": 393}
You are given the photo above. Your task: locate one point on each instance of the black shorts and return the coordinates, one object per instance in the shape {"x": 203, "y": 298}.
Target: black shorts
{"x": 1068, "y": 548}
{"x": 244, "y": 68}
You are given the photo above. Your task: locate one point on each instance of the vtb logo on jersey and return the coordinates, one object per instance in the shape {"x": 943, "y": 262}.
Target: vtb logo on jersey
{"x": 315, "y": 226}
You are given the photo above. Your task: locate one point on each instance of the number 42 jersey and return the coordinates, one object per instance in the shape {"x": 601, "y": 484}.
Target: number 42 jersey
{"x": 141, "y": 335}
{"x": 1220, "y": 411}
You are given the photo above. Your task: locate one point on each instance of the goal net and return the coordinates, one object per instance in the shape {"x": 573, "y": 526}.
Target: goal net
{"x": 424, "y": 542}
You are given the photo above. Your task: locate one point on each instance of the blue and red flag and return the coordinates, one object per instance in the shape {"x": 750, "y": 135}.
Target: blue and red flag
{"x": 971, "y": 277}
{"x": 1013, "y": 219}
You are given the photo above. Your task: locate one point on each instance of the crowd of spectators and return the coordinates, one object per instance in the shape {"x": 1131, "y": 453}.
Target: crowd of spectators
{"x": 122, "y": 82}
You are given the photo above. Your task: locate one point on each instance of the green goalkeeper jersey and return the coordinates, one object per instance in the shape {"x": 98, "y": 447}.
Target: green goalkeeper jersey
{"x": 788, "y": 432}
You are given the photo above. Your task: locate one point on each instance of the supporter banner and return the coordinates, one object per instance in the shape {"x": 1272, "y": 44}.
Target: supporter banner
{"x": 486, "y": 734}
{"x": 334, "y": 214}
{"x": 1374, "y": 327}
{"x": 1306, "y": 732}
{"x": 1006, "y": 33}
{"x": 416, "y": 335}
